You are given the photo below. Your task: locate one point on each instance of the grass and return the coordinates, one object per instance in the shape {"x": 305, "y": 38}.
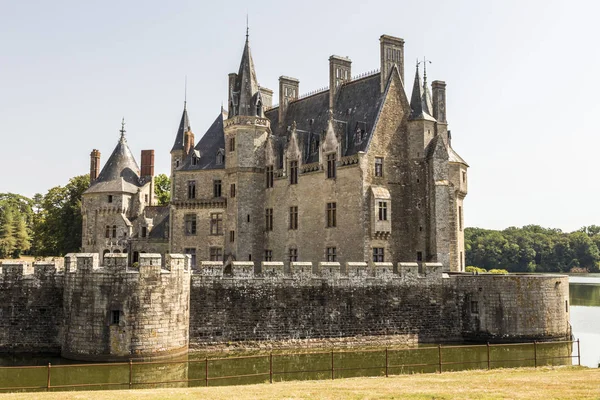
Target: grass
{"x": 519, "y": 383}
{"x": 22, "y": 258}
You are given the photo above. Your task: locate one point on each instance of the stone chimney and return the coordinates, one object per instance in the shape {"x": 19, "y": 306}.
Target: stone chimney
{"x": 439, "y": 101}
{"x": 340, "y": 71}
{"x": 188, "y": 140}
{"x": 392, "y": 53}
{"x": 147, "y": 163}
{"x": 288, "y": 91}
{"x": 232, "y": 78}
{"x": 94, "y": 165}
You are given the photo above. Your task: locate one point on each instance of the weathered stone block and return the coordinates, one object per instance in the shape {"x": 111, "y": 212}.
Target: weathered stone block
{"x": 211, "y": 268}
{"x": 383, "y": 269}
{"x": 408, "y": 271}
{"x": 242, "y": 269}
{"x": 329, "y": 270}
{"x": 272, "y": 269}
{"x": 301, "y": 269}
{"x": 357, "y": 269}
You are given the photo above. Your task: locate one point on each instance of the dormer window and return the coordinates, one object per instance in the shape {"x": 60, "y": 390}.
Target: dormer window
{"x": 220, "y": 157}
{"x": 194, "y": 160}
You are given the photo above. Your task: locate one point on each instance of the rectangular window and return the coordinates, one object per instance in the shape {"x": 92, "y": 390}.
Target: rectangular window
{"x": 460, "y": 218}
{"x": 232, "y": 190}
{"x": 216, "y": 224}
{"x": 192, "y": 253}
{"x": 474, "y": 307}
{"x": 293, "y": 254}
{"x": 382, "y": 211}
{"x": 107, "y": 233}
{"x": 232, "y": 144}
{"x": 331, "y": 215}
{"x": 146, "y": 198}
{"x": 419, "y": 256}
{"x": 269, "y": 176}
{"x": 114, "y": 231}
{"x": 269, "y": 219}
{"x": 293, "y": 172}
{"x": 464, "y": 176}
{"x": 378, "y": 166}
{"x": 331, "y": 166}
{"x": 461, "y": 260}
{"x": 294, "y": 217}
{"x": 110, "y": 198}
{"x": 115, "y": 317}
{"x": 144, "y": 231}
{"x": 331, "y": 254}
{"x": 191, "y": 185}
{"x": 216, "y": 254}
{"x": 190, "y": 224}
{"x": 268, "y": 255}
{"x": 378, "y": 254}
{"x": 217, "y": 188}
{"x": 232, "y": 236}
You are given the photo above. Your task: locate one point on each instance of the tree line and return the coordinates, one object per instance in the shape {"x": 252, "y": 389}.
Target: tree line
{"x": 50, "y": 224}
{"x": 533, "y": 248}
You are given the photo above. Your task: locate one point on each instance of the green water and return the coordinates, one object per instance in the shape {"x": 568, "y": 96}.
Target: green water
{"x": 585, "y": 319}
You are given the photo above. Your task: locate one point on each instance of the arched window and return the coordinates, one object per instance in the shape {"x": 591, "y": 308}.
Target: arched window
{"x": 117, "y": 251}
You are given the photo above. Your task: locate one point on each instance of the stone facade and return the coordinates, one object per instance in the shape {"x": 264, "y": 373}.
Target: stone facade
{"x": 45, "y": 308}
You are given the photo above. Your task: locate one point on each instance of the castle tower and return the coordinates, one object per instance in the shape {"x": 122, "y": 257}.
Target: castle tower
{"x": 182, "y": 141}
{"x": 246, "y": 132}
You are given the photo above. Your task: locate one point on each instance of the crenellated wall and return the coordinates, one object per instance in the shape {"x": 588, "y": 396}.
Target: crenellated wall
{"x": 159, "y": 310}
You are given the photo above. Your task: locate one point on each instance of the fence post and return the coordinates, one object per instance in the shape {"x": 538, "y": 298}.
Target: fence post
{"x": 48, "y": 380}
{"x": 206, "y": 370}
{"x": 271, "y": 367}
{"x": 535, "y": 354}
{"x": 488, "y": 355}
{"x": 386, "y": 362}
{"x": 332, "y": 373}
{"x": 578, "y": 354}
{"x": 440, "y": 356}
{"x": 130, "y": 373}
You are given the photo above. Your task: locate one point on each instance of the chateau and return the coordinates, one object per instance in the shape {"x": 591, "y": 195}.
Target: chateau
{"x": 354, "y": 172}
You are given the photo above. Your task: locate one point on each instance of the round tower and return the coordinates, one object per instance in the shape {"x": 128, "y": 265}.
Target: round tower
{"x": 114, "y": 312}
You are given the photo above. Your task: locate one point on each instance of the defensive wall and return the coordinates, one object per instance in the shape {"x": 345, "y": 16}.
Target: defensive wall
{"x": 112, "y": 311}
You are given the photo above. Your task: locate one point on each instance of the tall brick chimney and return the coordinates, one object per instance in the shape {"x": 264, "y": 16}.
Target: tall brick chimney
{"x": 392, "y": 53}
{"x": 189, "y": 141}
{"x": 147, "y": 163}
{"x": 340, "y": 71}
{"x": 94, "y": 165}
{"x": 288, "y": 91}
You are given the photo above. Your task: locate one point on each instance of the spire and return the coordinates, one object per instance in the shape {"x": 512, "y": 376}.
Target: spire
{"x": 427, "y": 104}
{"x": 420, "y": 100}
{"x": 122, "y": 129}
{"x": 246, "y": 84}
{"x": 184, "y": 126}
{"x": 185, "y": 94}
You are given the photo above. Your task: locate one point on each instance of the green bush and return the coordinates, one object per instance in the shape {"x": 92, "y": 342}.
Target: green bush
{"x": 498, "y": 271}
{"x": 478, "y": 270}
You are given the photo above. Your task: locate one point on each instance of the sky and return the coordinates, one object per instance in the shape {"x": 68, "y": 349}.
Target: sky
{"x": 522, "y": 85}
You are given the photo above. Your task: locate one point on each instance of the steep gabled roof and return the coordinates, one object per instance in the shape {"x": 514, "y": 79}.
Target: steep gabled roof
{"x": 208, "y": 146}
{"x": 121, "y": 171}
{"x": 184, "y": 126}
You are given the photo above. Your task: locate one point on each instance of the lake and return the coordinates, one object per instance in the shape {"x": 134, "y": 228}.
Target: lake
{"x": 584, "y": 293}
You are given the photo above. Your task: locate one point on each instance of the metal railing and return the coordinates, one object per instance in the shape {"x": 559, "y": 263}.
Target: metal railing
{"x": 272, "y": 372}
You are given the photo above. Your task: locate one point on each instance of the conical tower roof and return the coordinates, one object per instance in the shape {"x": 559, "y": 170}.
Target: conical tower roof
{"x": 246, "y": 84}
{"x": 184, "y": 126}
{"x": 420, "y": 100}
{"x": 120, "y": 164}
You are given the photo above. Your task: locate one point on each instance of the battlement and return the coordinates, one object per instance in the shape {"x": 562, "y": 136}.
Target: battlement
{"x": 376, "y": 272}
{"x": 15, "y": 270}
{"x": 119, "y": 263}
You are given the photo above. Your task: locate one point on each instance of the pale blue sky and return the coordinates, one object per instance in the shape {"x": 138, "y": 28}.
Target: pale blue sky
{"x": 521, "y": 75}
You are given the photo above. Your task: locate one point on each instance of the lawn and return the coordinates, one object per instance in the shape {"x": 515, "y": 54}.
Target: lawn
{"x": 519, "y": 383}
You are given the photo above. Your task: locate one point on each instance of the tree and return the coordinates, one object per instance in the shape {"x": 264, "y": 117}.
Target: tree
{"x": 7, "y": 239}
{"x": 21, "y": 237}
{"x": 162, "y": 189}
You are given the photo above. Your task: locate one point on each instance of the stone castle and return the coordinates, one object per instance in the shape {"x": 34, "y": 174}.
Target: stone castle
{"x": 335, "y": 215}
{"x": 350, "y": 173}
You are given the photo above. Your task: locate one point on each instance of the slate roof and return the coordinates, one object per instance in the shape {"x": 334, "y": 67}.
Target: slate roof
{"x": 121, "y": 172}
{"x": 454, "y": 157}
{"x": 160, "y": 218}
{"x": 184, "y": 126}
{"x": 246, "y": 85}
{"x": 420, "y": 100}
{"x": 208, "y": 146}
{"x": 356, "y": 107}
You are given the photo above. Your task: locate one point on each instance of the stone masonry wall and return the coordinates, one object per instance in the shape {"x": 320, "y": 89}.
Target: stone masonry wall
{"x": 31, "y": 307}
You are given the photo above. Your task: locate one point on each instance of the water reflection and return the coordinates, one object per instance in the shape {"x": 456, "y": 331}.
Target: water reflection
{"x": 585, "y": 315}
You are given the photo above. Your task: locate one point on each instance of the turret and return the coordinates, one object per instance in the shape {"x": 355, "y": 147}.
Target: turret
{"x": 421, "y": 125}
{"x": 94, "y": 165}
{"x": 182, "y": 141}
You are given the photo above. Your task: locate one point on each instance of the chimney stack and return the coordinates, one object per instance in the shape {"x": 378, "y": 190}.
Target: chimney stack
{"x": 94, "y": 165}
{"x": 267, "y": 97}
{"x": 147, "y": 163}
{"x": 288, "y": 91}
{"x": 188, "y": 141}
{"x": 231, "y": 110}
{"x": 392, "y": 53}
{"x": 439, "y": 101}
{"x": 340, "y": 71}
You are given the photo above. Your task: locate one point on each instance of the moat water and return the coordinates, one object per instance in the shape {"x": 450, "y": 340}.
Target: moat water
{"x": 585, "y": 320}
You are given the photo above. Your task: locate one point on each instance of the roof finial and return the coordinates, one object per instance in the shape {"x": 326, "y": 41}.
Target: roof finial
{"x": 122, "y": 128}
{"x": 185, "y": 94}
{"x": 425, "y": 61}
{"x": 247, "y": 27}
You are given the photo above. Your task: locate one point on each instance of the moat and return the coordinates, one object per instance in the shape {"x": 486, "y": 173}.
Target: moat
{"x": 585, "y": 319}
